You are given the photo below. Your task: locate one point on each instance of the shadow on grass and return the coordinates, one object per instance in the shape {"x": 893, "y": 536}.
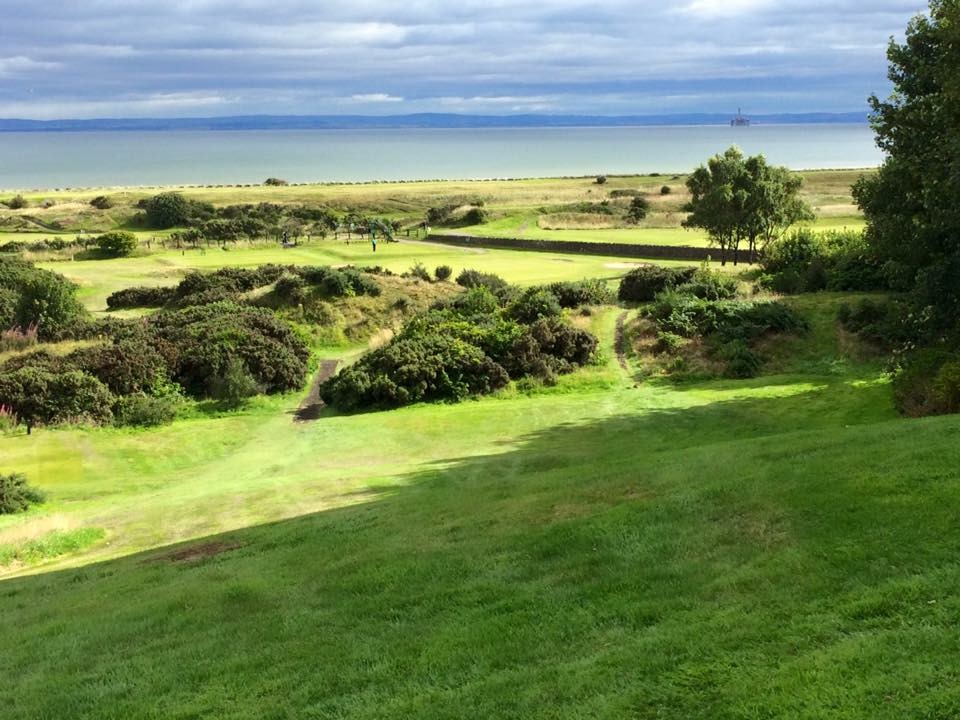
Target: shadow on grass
{"x": 677, "y": 563}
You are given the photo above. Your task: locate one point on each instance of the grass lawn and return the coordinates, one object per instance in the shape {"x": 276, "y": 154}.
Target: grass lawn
{"x": 98, "y": 278}
{"x": 607, "y": 548}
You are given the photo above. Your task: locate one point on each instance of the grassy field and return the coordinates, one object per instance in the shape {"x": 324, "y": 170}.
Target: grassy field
{"x": 614, "y": 546}
{"x": 607, "y": 548}
{"x": 98, "y": 278}
{"x": 536, "y": 208}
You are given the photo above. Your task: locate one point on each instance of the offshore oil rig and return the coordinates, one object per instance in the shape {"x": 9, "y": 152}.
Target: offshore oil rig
{"x": 740, "y": 120}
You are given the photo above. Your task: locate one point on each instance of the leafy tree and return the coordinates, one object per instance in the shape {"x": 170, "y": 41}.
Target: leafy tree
{"x": 737, "y": 199}
{"x": 166, "y": 210}
{"x": 911, "y": 208}
{"x": 118, "y": 243}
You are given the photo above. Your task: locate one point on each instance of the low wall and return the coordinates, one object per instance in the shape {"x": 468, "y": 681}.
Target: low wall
{"x": 579, "y": 247}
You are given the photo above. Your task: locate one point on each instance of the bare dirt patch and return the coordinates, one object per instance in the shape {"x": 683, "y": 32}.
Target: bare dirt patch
{"x": 312, "y": 404}
{"x": 196, "y": 553}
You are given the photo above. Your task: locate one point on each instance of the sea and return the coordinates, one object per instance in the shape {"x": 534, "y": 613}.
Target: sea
{"x": 47, "y": 160}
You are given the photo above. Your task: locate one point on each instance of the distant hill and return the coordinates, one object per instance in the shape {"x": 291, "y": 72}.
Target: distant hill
{"x": 421, "y": 120}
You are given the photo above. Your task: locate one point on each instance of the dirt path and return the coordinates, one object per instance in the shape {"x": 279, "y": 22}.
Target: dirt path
{"x": 619, "y": 342}
{"x": 312, "y": 404}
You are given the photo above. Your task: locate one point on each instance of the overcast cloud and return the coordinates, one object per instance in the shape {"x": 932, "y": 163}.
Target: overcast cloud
{"x": 116, "y": 58}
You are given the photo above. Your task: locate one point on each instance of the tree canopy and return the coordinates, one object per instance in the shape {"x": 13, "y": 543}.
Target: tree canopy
{"x": 739, "y": 199}
{"x": 913, "y": 217}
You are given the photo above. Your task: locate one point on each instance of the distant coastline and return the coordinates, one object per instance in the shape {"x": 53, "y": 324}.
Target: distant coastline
{"x": 415, "y": 121}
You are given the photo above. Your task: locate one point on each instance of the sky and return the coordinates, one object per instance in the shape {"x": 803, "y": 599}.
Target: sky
{"x": 200, "y": 58}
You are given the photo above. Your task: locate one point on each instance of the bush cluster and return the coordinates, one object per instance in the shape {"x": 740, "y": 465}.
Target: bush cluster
{"x": 221, "y": 350}
{"x": 730, "y": 328}
{"x": 31, "y": 297}
{"x": 230, "y": 283}
{"x": 644, "y": 283}
{"x": 808, "y": 261}
{"x": 118, "y": 243}
{"x": 471, "y": 345}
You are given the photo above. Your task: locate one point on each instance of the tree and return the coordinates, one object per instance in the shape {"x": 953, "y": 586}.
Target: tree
{"x": 773, "y": 203}
{"x": 718, "y": 200}
{"x": 118, "y": 243}
{"x": 911, "y": 208}
{"x": 639, "y": 208}
{"x": 737, "y": 199}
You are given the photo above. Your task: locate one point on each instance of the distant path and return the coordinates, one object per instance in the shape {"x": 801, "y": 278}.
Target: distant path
{"x": 619, "y": 342}
{"x": 312, "y": 404}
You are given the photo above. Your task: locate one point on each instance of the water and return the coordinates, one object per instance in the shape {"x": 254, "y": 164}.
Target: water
{"x": 104, "y": 159}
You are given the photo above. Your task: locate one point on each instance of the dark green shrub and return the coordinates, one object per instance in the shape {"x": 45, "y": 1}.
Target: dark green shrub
{"x": 709, "y": 285}
{"x": 200, "y": 341}
{"x": 138, "y": 297}
{"x": 418, "y": 270}
{"x": 17, "y": 202}
{"x": 166, "y": 210}
{"x": 144, "y": 411}
{"x": 582, "y": 292}
{"x": 794, "y": 251}
{"x": 102, "y": 202}
{"x": 533, "y": 304}
{"x": 494, "y": 283}
{"x": 601, "y": 180}
{"x": 883, "y": 323}
{"x": 644, "y": 283}
{"x": 39, "y": 397}
{"x": 917, "y": 389}
{"x": 290, "y": 289}
{"x": 117, "y": 243}
{"x": 443, "y": 272}
{"x": 34, "y": 297}
{"x": 475, "y": 216}
{"x": 16, "y": 495}
{"x": 625, "y": 192}
{"x": 336, "y": 284}
{"x": 739, "y": 359}
{"x": 665, "y": 190}
{"x": 126, "y": 367}
{"x": 234, "y": 384}
{"x": 414, "y": 370}
{"x": 638, "y": 210}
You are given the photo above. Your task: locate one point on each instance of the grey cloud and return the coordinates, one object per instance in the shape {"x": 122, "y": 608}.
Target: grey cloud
{"x": 188, "y": 57}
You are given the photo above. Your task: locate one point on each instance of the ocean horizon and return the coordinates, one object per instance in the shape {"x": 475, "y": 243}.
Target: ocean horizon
{"x": 75, "y": 159}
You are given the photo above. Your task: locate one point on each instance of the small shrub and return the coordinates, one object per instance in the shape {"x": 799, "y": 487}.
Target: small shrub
{"x": 475, "y": 216}
{"x": 601, "y": 180}
{"x": 290, "y": 289}
{"x": 669, "y": 342}
{"x": 638, "y": 210}
{"x": 17, "y": 202}
{"x": 137, "y": 297}
{"x": 145, "y": 411}
{"x": 494, "y": 283}
{"x": 739, "y": 359}
{"x": 118, "y": 243}
{"x": 946, "y": 386}
{"x": 234, "y": 385}
{"x": 582, "y": 292}
{"x": 101, "y": 202}
{"x": 443, "y": 272}
{"x": 275, "y": 181}
{"x": 16, "y": 495}
{"x": 418, "y": 270}
{"x": 709, "y": 285}
{"x": 533, "y": 304}
{"x": 644, "y": 283}
{"x": 666, "y": 190}
{"x": 624, "y": 192}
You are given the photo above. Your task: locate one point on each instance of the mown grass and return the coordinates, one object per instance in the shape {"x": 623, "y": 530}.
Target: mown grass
{"x": 778, "y": 547}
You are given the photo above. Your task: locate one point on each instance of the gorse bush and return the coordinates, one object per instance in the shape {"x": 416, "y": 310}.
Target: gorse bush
{"x": 443, "y": 272}
{"x": 469, "y": 345}
{"x": 144, "y": 411}
{"x": 574, "y": 293}
{"x": 16, "y": 495}
{"x": 494, "y": 283}
{"x": 136, "y": 297}
{"x": 642, "y": 284}
{"x": 709, "y": 285}
{"x": 40, "y": 397}
{"x": 31, "y": 297}
{"x": 234, "y": 384}
{"x": 117, "y": 243}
